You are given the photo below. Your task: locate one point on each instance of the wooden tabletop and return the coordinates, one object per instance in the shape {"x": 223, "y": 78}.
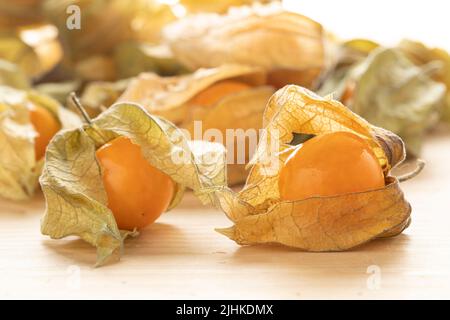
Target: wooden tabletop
{"x": 182, "y": 256}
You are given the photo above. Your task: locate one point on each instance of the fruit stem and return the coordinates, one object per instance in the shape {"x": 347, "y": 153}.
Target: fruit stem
{"x": 87, "y": 118}
{"x": 80, "y": 107}
{"x": 420, "y": 164}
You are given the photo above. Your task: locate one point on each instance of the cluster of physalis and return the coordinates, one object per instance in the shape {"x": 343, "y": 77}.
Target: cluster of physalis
{"x": 319, "y": 178}
{"x": 328, "y": 187}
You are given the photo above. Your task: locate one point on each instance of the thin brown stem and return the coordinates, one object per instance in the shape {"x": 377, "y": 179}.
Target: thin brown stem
{"x": 96, "y": 134}
{"x": 80, "y": 107}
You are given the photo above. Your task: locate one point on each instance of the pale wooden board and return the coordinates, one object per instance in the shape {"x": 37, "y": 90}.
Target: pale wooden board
{"x": 183, "y": 257}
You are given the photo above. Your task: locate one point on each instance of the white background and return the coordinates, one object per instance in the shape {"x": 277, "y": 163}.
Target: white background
{"x": 386, "y": 21}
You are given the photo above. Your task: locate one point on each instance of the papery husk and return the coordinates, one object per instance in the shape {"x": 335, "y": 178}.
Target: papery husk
{"x": 96, "y": 68}
{"x": 422, "y": 55}
{"x": 12, "y": 76}
{"x": 72, "y": 182}
{"x": 394, "y": 94}
{"x": 19, "y": 170}
{"x": 170, "y": 97}
{"x": 325, "y": 224}
{"x": 389, "y": 91}
{"x": 348, "y": 54}
{"x": 240, "y": 111}
{"x": 286, "y": 44}
{"x": 58, "y": 90}
{"x": 20, "y": 12}
{"x": 446, "y": 113}
{"x": 100, "y": 95}
{"x": 333, "y": 223}
{"x": 359, "y": 47}
{"x": 35, "y": 48}
{"x": 105, "y": 24}
{"x": 219, "y": 6}
{"x": 133, "y": 58}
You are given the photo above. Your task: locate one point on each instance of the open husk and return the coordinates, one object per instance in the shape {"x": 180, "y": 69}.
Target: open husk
{"x": 320, "y": 223}
{"x": 76, "y": 200}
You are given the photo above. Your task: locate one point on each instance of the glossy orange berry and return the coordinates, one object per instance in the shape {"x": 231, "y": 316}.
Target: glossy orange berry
{"x": 138, "y": 193}
{"x": 330, "y": 164}
{"x": 217, "y": 91}
{"x": 46, "y": 126}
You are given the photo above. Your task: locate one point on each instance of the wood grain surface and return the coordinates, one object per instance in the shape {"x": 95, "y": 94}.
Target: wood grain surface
{"x": 182, "y": 256}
